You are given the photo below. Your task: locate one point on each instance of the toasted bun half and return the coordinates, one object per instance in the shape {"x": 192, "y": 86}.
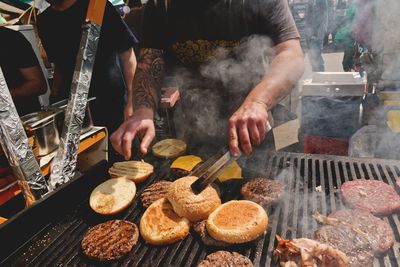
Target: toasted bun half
{"x": 169, "y": 148}
{"x": 237, "y": 222}
{"x": 186, "y": 203}
{"x": 112, "y": 196}
{"x": 137, "y": 171}
{"x": 160, "y": 225}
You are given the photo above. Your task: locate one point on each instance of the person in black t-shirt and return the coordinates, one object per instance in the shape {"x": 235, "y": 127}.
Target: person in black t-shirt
{"x": 189, "y": 40}
{"x": 21, "y": 70}
{"x": 60, "y": 30}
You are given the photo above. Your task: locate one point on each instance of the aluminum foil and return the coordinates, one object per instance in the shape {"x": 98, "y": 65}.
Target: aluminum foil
{"x": 64, "y": 163}
{"x": 15, "y": 144}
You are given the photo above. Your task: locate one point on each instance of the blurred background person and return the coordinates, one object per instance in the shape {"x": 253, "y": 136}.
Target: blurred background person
{"x": 316, "y": 28}
{"x": 345, "y": 38}
{"x": 22, "y": 72}
{"x": 60, "y": 30}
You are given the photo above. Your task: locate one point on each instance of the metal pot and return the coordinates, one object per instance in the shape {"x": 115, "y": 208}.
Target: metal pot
{"x": 62, "y": 106}
{"x": 42, "y": 126}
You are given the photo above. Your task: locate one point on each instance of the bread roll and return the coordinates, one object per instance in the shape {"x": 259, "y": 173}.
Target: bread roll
{"x": 186, "y": 203}
{"x": 169, "y": 148}
{"x": 137, "y": 171}
{"x": 160, "y": 225}
{"x": 112, "y": 196}
{"x": 237, "y": 222}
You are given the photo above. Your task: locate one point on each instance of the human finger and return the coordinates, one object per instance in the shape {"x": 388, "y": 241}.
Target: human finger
{"x": 244, "y": 139}
{"x": 233, "y": 138}
{"x": 254, "y": 134}
{"x": 146, "y": 140}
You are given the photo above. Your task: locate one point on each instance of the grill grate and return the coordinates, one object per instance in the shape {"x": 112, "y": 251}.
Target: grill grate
{"x": 312, "y": 180}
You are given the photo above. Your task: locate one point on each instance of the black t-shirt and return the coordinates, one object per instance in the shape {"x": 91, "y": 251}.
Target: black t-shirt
{"x": 16, "y": 53}
{"x": 192, "y": 31}
{"x": 216, "y": 45}
{"x": 60, "y": 33}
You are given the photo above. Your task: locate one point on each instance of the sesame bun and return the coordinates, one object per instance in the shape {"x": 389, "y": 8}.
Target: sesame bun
{"x": 186, "y": 203}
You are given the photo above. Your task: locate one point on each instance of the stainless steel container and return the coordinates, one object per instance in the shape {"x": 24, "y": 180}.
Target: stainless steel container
{"x": 42, "y": 125}
{"x": 62, "y": 105}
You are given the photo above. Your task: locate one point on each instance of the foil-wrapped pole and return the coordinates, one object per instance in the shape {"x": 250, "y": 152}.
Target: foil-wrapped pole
{"x": 15, "y": 144}
{"x": 64, "y": 163}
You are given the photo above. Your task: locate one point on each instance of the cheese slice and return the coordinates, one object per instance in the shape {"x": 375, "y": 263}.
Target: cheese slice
{"x": 2, "y": 220}
{"x": 186, "y": 163}
{"x": 232, "y": 172}
{"x": 393, "y": 120}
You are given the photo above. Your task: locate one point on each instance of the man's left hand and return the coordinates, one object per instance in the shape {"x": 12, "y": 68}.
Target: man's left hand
{"x": 247, "y": 127}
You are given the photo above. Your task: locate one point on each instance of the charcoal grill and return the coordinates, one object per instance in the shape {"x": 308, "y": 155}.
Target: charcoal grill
{"x": 312, "y": 180}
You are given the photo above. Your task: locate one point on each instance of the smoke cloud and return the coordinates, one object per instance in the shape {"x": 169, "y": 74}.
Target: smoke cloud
{"x": 209, "y": 99}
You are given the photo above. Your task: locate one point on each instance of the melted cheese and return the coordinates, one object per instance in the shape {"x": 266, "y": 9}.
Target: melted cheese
{"x": 186, "y": 163}
{"x": 232, "y": 172}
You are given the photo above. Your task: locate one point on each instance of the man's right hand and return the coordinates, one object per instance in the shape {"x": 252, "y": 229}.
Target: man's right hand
{"x": 140, "y": 124}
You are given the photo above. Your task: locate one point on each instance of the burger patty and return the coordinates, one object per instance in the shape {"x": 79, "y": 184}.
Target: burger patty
{"x": 224, "y": 259}
{"x": 373, "y": 196}
{"x": 264, "y": 192}
{"x": 201, "y": 229}
{"x": 377, "y": 231}
{"x": 179, "y": 173}
{"x": 110, "y": 240}
{"x": 356, "y": 247}
{"x": 154, "y": 192}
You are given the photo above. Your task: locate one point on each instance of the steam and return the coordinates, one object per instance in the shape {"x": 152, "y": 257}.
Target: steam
{"x": 209, "y": 99}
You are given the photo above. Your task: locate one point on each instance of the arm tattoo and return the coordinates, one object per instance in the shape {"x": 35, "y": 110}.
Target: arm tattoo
{"x": 148, "y": 78}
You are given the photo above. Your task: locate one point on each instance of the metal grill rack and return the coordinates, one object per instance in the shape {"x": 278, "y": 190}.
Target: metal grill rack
{"x": 313, "y": 184}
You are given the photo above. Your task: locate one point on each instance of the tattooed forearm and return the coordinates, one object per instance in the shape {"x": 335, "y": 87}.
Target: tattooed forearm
{"x": 149, "y": 75}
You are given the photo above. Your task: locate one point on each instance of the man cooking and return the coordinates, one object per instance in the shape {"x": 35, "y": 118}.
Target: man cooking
{"x": 211, "y": 48}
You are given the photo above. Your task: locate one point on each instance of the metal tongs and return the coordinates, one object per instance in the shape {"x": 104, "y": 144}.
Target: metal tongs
{"x": 209, "y": 170}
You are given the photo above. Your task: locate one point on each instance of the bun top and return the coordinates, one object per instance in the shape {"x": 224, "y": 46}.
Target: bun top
{"x": 186, "y": 203}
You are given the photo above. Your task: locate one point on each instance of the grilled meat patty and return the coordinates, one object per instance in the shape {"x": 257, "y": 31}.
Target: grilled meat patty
{"x": 373, "y": 196}
{"x": 356, "y": 247}
{"x": 154, "y": 192}
{"x": 179, "y": 173}
{"x": 110, "y": 240}
{"x": 201, "y": 230}
{"x": 377, "y": 231}
{"x": 224, "y": 259}
{"x": 264, "y": 192}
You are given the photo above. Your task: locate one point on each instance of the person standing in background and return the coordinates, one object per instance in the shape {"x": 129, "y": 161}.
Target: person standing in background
{"x": 21, "y": 70}
{"x": 60, "y": 30}
{"x": 345, "y": 37}
{"x": 316, "y": 28}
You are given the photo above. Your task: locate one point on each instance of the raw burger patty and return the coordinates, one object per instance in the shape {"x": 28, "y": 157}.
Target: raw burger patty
{"x": 154, "y": 192}
{"x": 264, "y": 192}
{"x": 224, "y": 258}
{"x": 377, "y": 231}
{"x": 356, "y": 247}
{"x": 110, "y": 240}
{"x": 374, "y": 196}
